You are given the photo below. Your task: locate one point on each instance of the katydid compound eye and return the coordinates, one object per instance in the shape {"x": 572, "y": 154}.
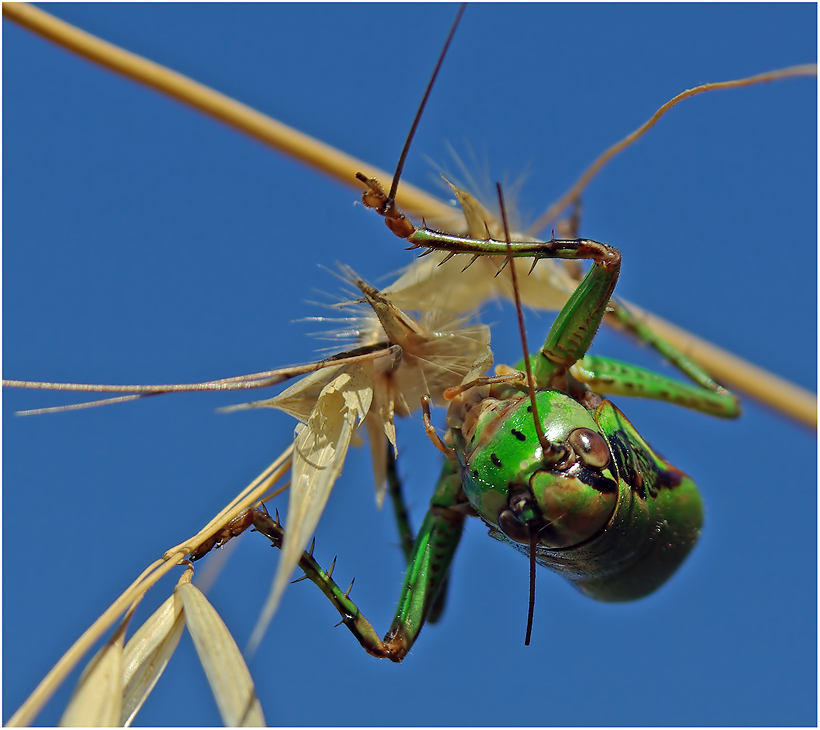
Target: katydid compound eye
{"x": 590, "y": 447}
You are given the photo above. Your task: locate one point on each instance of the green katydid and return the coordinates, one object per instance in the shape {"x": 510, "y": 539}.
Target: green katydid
{"x": 649, "y": 297}
{"x": 561, "y": 474}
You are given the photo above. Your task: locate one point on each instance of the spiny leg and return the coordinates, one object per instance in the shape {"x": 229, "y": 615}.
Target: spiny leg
{"x": 359, "y": 626}
{"x": 577, "y": 323}
{"x": 433, "y": 551}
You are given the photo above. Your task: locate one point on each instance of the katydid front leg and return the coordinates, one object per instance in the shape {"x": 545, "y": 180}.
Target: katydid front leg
{"x": 562, "y": 363}
{"x": 577, "y": 323}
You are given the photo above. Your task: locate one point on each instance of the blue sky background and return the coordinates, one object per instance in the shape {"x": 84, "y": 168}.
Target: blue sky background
{"x": 146, "y": 243}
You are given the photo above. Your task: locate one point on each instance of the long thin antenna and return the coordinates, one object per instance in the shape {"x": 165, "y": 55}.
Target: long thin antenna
{"x": 542, "y": 439}
{"x": 531, "y": 609}
{"x": 400, "y": 167}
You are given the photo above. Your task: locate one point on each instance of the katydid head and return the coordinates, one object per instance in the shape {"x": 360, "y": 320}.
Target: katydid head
{"x": 562, "y": 499}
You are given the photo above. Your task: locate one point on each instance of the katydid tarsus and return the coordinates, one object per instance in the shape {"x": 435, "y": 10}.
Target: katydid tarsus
{"x": 694, "y": 295}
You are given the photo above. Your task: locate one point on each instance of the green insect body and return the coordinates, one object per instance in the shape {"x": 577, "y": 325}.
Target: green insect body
{"x": 599, "y": 505}
{"x": 613, "y": 517}
{"x": 560, "y": 474}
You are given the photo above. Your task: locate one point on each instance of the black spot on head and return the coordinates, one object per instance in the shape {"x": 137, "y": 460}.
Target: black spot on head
{"x": 529, "y": 408}
{"x": 495, "y": 460}
{"x": 596, "y": 480}
{"x": 475, "y": 473}
{"x": 520, "y": 436}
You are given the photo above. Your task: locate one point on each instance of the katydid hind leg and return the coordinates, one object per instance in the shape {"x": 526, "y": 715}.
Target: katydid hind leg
{"x": 394, "y": 489}
{"x": 606, "y": 376}
{"x": 425, "y": 578}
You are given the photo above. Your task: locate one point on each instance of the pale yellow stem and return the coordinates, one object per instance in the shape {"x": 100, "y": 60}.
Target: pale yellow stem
{"x": 306, "y": 149}
{"x": 34, "y": 703}
{"x": 736, "y": 373}
{"x": 249, "y": 496}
